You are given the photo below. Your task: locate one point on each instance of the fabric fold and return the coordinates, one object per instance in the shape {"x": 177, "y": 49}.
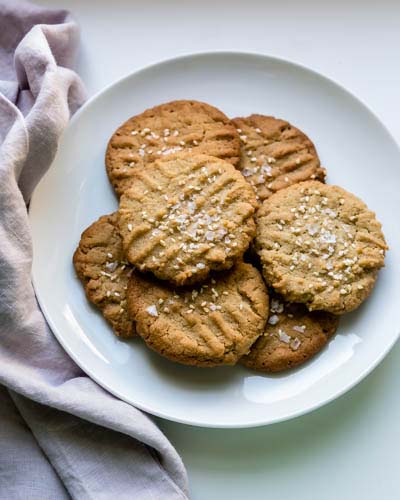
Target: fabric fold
{"x": 95, "y": 444}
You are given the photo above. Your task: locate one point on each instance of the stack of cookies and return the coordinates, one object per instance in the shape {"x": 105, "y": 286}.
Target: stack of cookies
{"x": 227, "y": 245}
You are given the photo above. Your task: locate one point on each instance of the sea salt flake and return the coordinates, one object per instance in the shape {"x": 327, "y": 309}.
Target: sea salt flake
{"x": 169, "y": 151}
{"x": 266, "y": 169}
{"x": 312, "y": 229}
{"x": 273, "y": 320}
{"x": 299, "y": 329}
{"x": 181, "y": 218}
{"x": 284, "y": 337}
{"x": 327, "y": 237}
{"x": 295, "y": 344}
{"x": 330, "y": 212}
{"x": 246, "y": 172}
{"x": 152, "y": 310}
{"x": 221, "y": 233}
{"x": 111, "y": 266}
{"x": 210, "y": 235}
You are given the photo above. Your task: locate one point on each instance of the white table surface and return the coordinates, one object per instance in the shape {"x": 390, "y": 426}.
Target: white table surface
{"x": 347, "y": 450}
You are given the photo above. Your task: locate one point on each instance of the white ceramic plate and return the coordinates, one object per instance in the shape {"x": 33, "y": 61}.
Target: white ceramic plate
{"x": 359, "y": 154}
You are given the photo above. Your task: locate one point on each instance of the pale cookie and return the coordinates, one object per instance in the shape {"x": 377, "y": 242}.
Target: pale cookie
{"x": 186, "y": 215}
{"x": 275, "y": 155}
{"x": 292, "y": 336}
{"x": 213, "y": 324}
{"x": 165, "y": 129}
{"x": 319, "y": 245}
{"x": 100, "y": 264}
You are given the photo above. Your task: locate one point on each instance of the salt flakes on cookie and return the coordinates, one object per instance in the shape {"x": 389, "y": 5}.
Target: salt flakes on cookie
{"x": 100, "y": 264}
{"x": 292, "y": 336}
{"x": 328, "y": 252}
{"x": 274, "y": 154}
{"x": 205, "y": 325}
{"x": 168, "y": 129}
{"x": 196, "y": 216}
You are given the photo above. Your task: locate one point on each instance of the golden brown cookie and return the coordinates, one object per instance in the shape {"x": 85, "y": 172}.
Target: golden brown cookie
{"x": 186, "y": 215}
{"x": 213, "y": 324}
{"x": 291, "y": 337}
{"x": 275, "y": 155}
{"x": 319, "y": 245}
{"x": 165, "y": 129}
{"x": 100, "y": 265}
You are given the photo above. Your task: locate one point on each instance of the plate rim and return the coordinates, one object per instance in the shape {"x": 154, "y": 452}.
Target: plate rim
{"x": 82, "y": 364}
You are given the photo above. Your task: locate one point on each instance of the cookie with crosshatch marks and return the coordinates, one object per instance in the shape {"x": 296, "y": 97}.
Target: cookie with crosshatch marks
{"x": 186, "y": 215}
{"x": 292, "y": 336}
{"x": 319, "y": 245}
{"x": 165, "y": 129}
{"x": 100, "y": 265}
{"x": 212, "y": 324}
{"x": 275, "y": 155}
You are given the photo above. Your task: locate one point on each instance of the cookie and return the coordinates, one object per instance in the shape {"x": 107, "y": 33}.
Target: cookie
{"x": 165, "y": 129}
{"x": 275, "y": 155}
{"x": 100, "y": 265}
{"x": 292, "y": 336}
{"x": 186, "y": 215}
{"x": 319, "y": 245}
{"x": 213, "y": 324}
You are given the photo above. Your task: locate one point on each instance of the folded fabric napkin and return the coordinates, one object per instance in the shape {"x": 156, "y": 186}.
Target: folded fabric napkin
{"x": 61, "y": 435}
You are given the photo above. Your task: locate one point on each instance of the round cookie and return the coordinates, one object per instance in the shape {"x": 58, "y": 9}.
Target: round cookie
{"x": 275, "y": 155}
{"x": 319, "y": 245}
{"x": 291, "y": 337}
{"x": 100, "y": 265}
{"x": 186, "y": 215}
{"x": 213, "y": 324}
{"x": 165, "y": 129}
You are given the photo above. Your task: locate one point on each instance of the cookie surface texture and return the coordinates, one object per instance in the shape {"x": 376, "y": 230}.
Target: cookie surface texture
{"x": 292, "y": 336}
{"x": 167, "y": 129}
{"x": 275, "y": 155}
{"x": 186, "y": 215}
{"x": 100, "y": 265}
{"x": 209, "y": 325}
{"x": 319, "y": 245}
